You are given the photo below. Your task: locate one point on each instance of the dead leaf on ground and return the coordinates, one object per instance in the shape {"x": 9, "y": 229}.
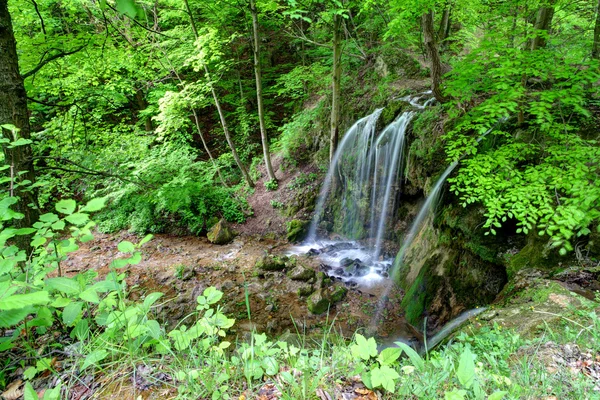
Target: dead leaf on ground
{"x": 323, "y": 395}
{"x": 13, "y": 391}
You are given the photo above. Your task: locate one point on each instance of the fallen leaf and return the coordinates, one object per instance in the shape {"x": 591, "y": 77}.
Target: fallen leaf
{"x": 13, "y": 391}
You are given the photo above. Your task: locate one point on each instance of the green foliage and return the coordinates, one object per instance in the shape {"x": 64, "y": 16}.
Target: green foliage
{"x": 174, "y": 185}
{"x": 271, "y": 185}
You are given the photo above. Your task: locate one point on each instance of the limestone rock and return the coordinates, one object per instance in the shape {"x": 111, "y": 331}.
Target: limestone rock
{"x": 323, "y": 299}
{"x": 220, "y": 233}
{"x": 301, "y": 273}
{"x": 271, "y": 263}
{"x": 296, "y": 229}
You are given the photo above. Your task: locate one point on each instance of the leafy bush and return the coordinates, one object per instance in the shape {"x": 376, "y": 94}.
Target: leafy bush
{"x": 173, "y": 186}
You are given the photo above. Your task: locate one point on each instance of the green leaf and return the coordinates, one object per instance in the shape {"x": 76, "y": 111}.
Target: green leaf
{"x": 384, "y": 377}
{"x": 466, "y": 368}
{"x": 389, "y": 355}
{"x": 72, "y": 312}
{"x": 146, "y": 239}
{"x": 90, "y": 295}
{"x": 53, "y": 394}
{"x": 151, "y": 299}
{"x": 455, "y": 395}
{"x": 64, "y": 285}
{"x": 49, "y": 218}
{"x": 364, "y": 349}
{"x": 126, "y": 247}
{"x": 78, "y": 219}
{"x": 95, "y": 205}
{"x": 270, "y": 365}
{"x": 29, "y": 392}
{"x": 13, "y": 317}
{"x": 94, "y": 358}
{"x": 212, "y": 294}
{"x": 66, "y": 206}
{"x": 127, "y": 7}
{"x": 498, "y": 395}
{"x": 23, "y": 300}
{"x": 414, "y": 357}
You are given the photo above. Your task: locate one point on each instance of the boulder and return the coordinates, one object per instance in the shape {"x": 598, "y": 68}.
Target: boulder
{"x": 220, "y": 233}
{"x": 301, "y": 273}
{"x": 271, "y": 263}
{"x": 323, "y": 299}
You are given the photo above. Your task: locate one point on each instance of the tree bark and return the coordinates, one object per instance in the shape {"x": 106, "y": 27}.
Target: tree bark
{"x": 444, "y": 31}
{"x": 336, "y": 85}
{"x": 226, "y": 131}
{"x": 543, "y": 22}
{"x": 596, "y": 45}
{"x": 434, "y": 56}
{"x": 259, "y": 96}
{"x": 13, "y": 110}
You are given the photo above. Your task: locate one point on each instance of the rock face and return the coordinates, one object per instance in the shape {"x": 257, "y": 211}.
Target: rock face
{"x": 301, "y": 273}
{"x": 296, "y": 229}
{"x": 220, "y": 233}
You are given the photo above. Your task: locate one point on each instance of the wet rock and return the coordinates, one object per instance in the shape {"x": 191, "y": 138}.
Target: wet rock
{"x": 305, "y": 290}
{"x": 271, "y": 263}
{"x": 220, "y": 233}
{"x": 313, "y": 252}
{"x": 301, "y": 273}
{"x": 227, "y": 285}
{"x": 296, "y": 230}
{"x": 323, "y": 299}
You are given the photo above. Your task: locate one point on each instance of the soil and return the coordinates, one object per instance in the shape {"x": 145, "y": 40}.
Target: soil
{"x": 267, "y": 218}
{"x": 182, "y": 267}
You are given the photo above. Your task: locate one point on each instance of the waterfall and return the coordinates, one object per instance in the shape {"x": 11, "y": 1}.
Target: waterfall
{"x": 359, "y": 136}
{"x": 367, "y": 167}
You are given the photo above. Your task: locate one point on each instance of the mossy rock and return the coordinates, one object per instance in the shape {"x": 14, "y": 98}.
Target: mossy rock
{"x": 301, "y": 273}
{"x": 536, "y": 254}
{"x": 271, "y": 263}
{"x": 296, "y": 230}
{"x": 305, "y": 290}
{"x": 323, "y": 299}
{"x": 220, "y": 233}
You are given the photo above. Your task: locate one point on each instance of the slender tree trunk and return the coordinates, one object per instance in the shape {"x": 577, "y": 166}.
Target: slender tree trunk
{"x": 596, "y": 45}
{"x": 434, "y": 56}
{"x": 259, "y": 96}
{"x": 543, "y": 22}
{"x": 241, "y": 166}
{"x": 205, "y": 145}
{"x": 444, "y": 31}
{"x": 226, "y": 131}
{"x": 13, "y": 111}
{"x": 336, "y": 85}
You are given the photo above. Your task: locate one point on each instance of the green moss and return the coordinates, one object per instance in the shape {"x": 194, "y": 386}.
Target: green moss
{"x": 271, "y": 263}
{"x": 296, "y": 230}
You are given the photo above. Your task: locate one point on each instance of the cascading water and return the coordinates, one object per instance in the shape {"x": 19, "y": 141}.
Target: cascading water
{"x": 365, "y": 174}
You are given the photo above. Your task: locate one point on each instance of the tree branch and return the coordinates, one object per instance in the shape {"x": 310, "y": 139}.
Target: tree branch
{"x": 52, "y": 58}
{"x": 87, "y": 171}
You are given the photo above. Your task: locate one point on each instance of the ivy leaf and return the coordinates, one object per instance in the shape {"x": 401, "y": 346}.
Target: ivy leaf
{"x": 364, "y": 349}
{"x": 385, "y": 377}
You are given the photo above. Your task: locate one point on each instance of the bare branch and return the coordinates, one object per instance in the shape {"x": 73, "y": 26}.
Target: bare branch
{"x": 50, "y": 59}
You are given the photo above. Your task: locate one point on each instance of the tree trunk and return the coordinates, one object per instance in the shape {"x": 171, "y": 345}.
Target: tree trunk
{"x": 444, "y": 30}
{"x": 13, "y": 110}
{"x": 434, "y": 56}
{"x": 596, "y": 45}
{"x": 259, "y": 97}
{"x": 336, "y": 85}
{"x": 226, "y": 131}
{"x": 543, "y": 21}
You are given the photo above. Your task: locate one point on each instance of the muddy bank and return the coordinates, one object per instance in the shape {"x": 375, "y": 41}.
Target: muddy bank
{"x": 182, "y": 267}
